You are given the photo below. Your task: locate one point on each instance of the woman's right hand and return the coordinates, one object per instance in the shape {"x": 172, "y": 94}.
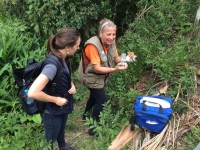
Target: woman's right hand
{"x": 121, "y": 66}
{"x": 61, "y": 101}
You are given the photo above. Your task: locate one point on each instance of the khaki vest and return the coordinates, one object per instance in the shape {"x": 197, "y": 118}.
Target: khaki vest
{"x": 89, "y": 77}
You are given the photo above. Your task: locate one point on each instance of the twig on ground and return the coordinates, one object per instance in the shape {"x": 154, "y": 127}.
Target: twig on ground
{"x": 179, "y": 89}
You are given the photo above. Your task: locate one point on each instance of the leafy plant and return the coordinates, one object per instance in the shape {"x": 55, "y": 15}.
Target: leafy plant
{"x": 163, "y": 38}
{"x": 45, "y": 18}
{"x": 111, "y": 122}
{"x": 192, "y": 138}
{"x": 15, "y": 50}
{"x": 15, "y": 128}
{"x": 16, "y": 47}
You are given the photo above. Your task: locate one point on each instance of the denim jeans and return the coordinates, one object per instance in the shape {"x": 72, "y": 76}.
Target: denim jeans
{"x": 54, "y": 127}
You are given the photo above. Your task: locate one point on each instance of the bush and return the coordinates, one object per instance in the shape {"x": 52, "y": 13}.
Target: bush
{"x": 19, "y": 132}
{"x": 164, "y": 38}
{"x": 16, "y": 47}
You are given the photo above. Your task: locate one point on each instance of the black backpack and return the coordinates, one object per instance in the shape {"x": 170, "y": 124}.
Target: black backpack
{"x": 24, "y": 77}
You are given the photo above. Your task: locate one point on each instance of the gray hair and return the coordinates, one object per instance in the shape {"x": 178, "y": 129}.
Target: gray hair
{"x": 104, "y": 23}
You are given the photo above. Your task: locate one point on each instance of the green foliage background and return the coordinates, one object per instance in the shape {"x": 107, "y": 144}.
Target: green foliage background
{"x": 163, "y": 35}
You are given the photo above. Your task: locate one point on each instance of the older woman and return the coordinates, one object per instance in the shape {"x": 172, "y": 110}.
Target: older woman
{"x": 98, "y": 58}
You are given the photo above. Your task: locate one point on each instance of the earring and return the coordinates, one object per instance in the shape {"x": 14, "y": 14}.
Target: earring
{"x": 67, "y": 53}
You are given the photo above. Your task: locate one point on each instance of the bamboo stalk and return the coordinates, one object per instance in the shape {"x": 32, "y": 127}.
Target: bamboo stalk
{"x": 166, "y": 136}
{"x": 151, "y": 143}
{"x": 177, "y": 96}
{"x": 136, "y": 142}
{"x": 176, "y": 131}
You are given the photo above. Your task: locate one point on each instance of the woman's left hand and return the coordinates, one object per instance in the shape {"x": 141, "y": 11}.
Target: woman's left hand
{"x": 73, "y": 89}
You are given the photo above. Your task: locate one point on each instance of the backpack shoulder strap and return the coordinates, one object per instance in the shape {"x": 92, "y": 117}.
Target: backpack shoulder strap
{"x": 58, "y": 63}
{"x": 132, "y": 121}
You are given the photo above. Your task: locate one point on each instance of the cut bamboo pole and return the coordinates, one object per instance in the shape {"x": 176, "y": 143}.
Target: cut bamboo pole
{"x": 123, "y": 137}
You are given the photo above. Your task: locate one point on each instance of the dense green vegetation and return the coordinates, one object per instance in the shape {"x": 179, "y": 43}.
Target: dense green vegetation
{"x": 163, "y": 35}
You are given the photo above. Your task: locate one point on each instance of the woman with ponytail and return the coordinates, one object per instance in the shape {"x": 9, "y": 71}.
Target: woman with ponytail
{"x": 58, "y": 106}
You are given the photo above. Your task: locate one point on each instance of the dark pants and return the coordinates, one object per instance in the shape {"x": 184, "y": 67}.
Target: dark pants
{"x": 55, "y": 128}
{"x": 95, "y": 101}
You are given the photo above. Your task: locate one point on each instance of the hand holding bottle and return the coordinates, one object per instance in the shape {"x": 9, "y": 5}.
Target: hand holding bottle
{"x": 123, "y": 59}
{"x": 121, "y": 66}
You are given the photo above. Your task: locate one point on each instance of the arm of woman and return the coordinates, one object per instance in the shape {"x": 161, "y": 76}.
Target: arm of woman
{"x": 92, "y": 54}
{"x": 99, "y": 69}
{"x": 36, "y": 92}
{"x": 117, "y": 59}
